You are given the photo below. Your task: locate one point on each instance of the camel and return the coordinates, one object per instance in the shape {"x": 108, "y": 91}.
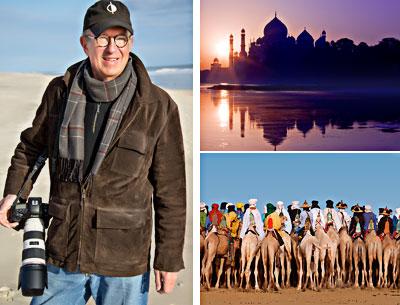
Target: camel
{"x": 328, "y": 250}
{"x": 249, "y": 250}
{"x": 359, "y": 255}
{"x": 234, "y": 265}
{"x": 334, "y": 237}
{"x": 373, "y": 245}
{"x": 390, "y": 253}
{"x": 269, "y": 252}
{"x": 216, "y": 245}
{"x": 285, "y": 254}
{"x": 285, "y": 257}
{"x": 308, "y": 246}
{"x": 346, "y": 255}
{"x": 397, "y": 271}
{"x": 202, "y": 241}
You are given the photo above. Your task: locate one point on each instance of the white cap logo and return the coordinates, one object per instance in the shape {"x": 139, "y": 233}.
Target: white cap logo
{"x": 111, "y": 8}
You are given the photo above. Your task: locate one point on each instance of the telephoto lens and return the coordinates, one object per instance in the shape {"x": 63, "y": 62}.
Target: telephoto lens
{"x": 33, "y": 272}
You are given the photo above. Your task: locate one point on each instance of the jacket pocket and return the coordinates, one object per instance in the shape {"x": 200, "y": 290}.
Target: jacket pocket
{"x": 122, "y": 238}
{"x": 129, "y": 155}
{"x": 57, "y": 234}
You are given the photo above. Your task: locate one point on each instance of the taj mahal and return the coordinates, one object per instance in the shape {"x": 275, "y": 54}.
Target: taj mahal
{"x": 278, "y": 55}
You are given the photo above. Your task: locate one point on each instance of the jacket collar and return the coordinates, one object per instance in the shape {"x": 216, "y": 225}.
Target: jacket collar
{"x": 143, "y": 95}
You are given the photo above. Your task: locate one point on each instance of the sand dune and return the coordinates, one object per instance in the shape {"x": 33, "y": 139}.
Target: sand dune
{"x": 20, "y": 94}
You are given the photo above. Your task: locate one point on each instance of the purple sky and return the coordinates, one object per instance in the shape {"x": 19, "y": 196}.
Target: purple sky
{"x": 360, "y": 20}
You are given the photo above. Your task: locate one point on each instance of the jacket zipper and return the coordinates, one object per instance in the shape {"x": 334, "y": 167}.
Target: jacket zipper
{"x": 95, "y": 118}
{"x": 82, "y": 204}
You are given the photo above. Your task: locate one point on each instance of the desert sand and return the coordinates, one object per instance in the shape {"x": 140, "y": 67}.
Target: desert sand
{"x": 20, "y": 95}
{"x": 293, "y": 297}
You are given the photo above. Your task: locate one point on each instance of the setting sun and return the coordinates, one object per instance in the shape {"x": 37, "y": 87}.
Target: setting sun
{"x": 222, "y": 49}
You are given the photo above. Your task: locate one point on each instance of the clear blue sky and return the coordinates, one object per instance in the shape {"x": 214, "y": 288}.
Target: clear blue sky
{"x": 43, "y": 36}
{"x": 363, "y": 178}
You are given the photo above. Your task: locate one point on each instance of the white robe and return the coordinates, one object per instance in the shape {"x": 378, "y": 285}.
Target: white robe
{"x": 314, "y": 213}
{"x": 288, "y": 222}
{"x": 344, "y": 218}
{"x": 335, "y": 217}
{"x": 258, "y": 221}
{"x": 303, "y": 217}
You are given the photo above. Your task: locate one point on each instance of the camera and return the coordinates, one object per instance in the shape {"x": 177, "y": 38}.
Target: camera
{"x": 32, "y": 215}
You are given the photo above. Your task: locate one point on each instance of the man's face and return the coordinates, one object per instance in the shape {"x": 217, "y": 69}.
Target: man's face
{"x": 108, "y": 62}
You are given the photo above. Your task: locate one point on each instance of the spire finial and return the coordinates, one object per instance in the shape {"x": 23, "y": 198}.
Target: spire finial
{"x": 275, "y": 14}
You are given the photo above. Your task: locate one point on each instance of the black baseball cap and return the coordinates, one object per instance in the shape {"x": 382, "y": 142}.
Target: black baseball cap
{"x": 106, "y": 14}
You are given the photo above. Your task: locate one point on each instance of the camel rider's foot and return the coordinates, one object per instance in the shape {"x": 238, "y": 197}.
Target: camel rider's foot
{"x": 279, "y": 238}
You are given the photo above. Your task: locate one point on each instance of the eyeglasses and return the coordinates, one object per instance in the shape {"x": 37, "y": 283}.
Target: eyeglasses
{"x": 103, "y": 41}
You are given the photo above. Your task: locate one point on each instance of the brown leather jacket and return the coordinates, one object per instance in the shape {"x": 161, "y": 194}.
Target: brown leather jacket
{"x": 106, "y": 228}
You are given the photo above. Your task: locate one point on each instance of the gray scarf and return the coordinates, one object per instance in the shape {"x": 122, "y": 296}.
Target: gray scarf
{"x": 71, "y": 140}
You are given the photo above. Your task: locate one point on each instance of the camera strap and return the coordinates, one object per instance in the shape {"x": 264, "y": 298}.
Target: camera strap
{"x": 40, "y": 162}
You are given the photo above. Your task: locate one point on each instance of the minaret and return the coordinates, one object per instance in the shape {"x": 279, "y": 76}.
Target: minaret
{"x": 243, "y": 53}
{"x": 231, "y": 51}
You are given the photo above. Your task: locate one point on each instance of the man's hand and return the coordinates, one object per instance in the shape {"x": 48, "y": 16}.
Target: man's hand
{"x": 5, "y": 205}
{"x": 165, "y": 281}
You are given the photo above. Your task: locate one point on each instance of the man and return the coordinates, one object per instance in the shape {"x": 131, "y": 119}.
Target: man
{"x": 268, "y": 209}
{"x": 222, "y": 207}
{"x": 317, "y": 215}
{"x": 356, "y": 229}
{"x": 305, "y": 216}
{"x": 396, "y": 224}
{"x": 385, "y": 224}
{"x": 280, "y": 209}
{"x": 277, "y": 221}
{"x": 252, "y": 219}
{"x": 115, "y": 152}
{"x": 331, "y": 217}
{"x": 204, "y": 220}
{"x": 344, "y": 218}
{"x": 215, "y": 216}
{"x": 240, "y": 210}
{"x": 232, "y": 226}
{"x": 294, "y": 213}
{"x": 370, "y": 221}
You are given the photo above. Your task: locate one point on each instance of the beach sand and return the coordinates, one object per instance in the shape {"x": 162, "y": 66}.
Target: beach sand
{"x": 293, "y": 297}
{"x": 20, "y": 95}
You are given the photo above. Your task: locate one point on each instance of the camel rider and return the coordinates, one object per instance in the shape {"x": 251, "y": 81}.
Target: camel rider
{"x": 252, "y": 220}
{"x": 294, "y": 213}
{"x": 280, "y": 209}
{"x": 215, "y": 216}
{"x": 232, "y": 220}
{"x": 305, "y": 216}
{"x": 370, "y": 220}
{"x": 222, "y": 207}
{"x": 274, "y": 223}
{"x": 232, "y": 224}
{"x": 345, "y": 219}
{"x": 380, "y": 210}
{"x": 356, "y": 229}
{"x": 240, "y": 210}
{"x": 318, "y": 215}
{"x": 396, "y": 224}
{"x": 385, "y": 225}
{"x": 331, "y": 216}
{"x": 268, "y": 209}
{"x": 204, "y": 220}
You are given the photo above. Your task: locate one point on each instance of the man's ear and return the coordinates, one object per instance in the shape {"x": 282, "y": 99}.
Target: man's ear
{"x": 84, "y": 43}
{"x": 130, "y": 43}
